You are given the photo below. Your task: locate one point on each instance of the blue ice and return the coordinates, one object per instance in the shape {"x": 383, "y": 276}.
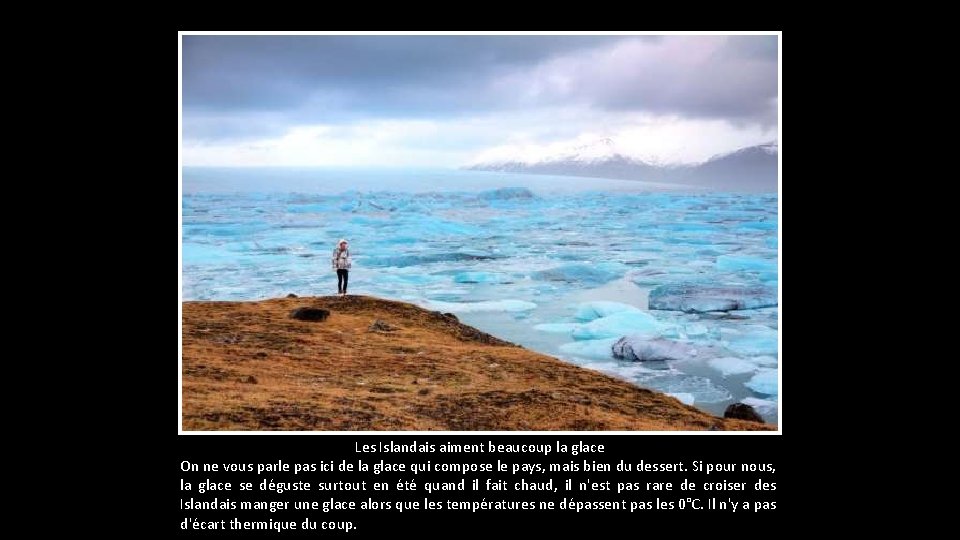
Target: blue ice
{"x": 588, "y": 311}
{"x": 761, "y": 225}
{"x": 417, "y": 259}
{"x": 413, "y": 279}
{"x": 765, "y": 361}
{"x": 308, "y": 208}
{"x": 581, "y": 273}
{"x": 496, "y": 247}
{"x": 754, "y": 340}
{"x": 206, "y": 254}
{"x": 481, "y": 277}
{"x": 695, "y": 330}
{"x": 705, "y": 297}
{"x": 619, "y": 324}
{"x": 764, "y": 382}
{"x": 734, "y": 263}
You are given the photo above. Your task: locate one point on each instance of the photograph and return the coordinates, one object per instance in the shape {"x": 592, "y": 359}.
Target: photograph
{"x": 466, "y": 232}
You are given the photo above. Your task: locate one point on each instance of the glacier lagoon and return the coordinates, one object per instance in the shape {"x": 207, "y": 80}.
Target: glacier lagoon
{"x": 564, "y": 266}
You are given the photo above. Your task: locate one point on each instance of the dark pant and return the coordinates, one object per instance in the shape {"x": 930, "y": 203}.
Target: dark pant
{"x": 342, "y": 281}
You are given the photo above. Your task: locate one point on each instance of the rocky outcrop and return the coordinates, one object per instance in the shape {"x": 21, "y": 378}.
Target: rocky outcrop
{"x": 742, "y": 411}
{"x": 309, "y": 314}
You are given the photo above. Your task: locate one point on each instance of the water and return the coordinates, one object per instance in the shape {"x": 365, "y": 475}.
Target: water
{"x": 508, "y": 253}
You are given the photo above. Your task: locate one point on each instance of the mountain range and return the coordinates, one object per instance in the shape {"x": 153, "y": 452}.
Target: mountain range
{"x": 753, "y": 168}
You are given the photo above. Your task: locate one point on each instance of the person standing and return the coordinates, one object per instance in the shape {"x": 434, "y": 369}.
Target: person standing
{"x": 341, "y": 263}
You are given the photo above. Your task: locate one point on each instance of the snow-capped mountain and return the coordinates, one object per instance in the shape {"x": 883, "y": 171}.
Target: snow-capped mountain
{"x": 602, "y": 150}
{"x": 753, "y": 168}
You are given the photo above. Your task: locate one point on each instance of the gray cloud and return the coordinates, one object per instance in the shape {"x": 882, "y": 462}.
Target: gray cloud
{"x": 383, "y": 73}
{"x": 698, "y": 77}
{"x": 242, "y": 86}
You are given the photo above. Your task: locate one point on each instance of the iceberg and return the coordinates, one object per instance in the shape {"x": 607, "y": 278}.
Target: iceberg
{"x": 619, "y": 324}
{"x": 700, "y": 298}
{"x": 511, "y": 260}
{"x": 764, "y": 382}
{"x": 643, "y": 349}
{"x": 754, "y": 340}
{"x": 580, "y": 273}
{"x": 765, "y": 361}
{"x": 588, "y": 311}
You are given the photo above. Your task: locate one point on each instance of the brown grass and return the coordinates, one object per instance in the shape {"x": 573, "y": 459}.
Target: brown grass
{"x": 248, "y": 366}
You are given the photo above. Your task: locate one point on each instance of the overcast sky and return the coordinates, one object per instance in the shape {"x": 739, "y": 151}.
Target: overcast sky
{"x": 452, "y": 100}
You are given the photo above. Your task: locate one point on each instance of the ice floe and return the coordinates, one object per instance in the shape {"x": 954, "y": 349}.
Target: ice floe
{"x": 643, "y": 349}
{"x": 588, "y": 311}
{"x": 619, "y": 324}
{"x": 764, "y": 382}
{"x": 704, "y": 297}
